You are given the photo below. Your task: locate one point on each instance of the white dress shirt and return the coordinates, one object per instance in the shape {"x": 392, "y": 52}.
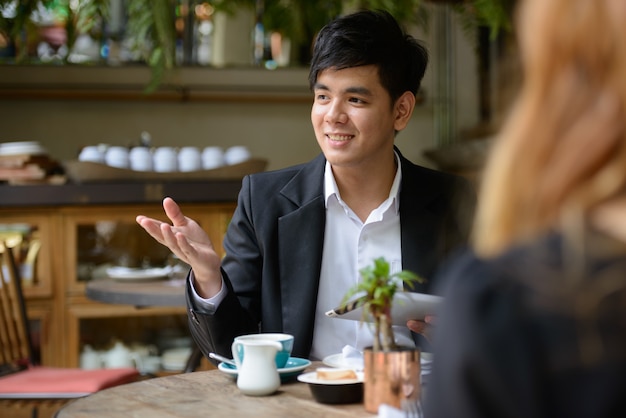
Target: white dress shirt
{"x": 349, "y": 245}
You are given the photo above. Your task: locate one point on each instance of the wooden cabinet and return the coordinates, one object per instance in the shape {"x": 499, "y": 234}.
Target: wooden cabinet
{"x": 28, "y": 231}
{"x": 77, "y": 243}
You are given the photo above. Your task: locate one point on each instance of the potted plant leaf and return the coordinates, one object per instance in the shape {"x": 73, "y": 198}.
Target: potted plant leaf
{"x": 391, "y": 371}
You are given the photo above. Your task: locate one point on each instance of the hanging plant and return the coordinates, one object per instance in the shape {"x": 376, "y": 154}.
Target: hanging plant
{"x": 151, "y": 30}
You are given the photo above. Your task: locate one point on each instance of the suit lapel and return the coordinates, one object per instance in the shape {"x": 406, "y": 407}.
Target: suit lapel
{"x": 301, "y": 239}
{"x": 418, "y": 223}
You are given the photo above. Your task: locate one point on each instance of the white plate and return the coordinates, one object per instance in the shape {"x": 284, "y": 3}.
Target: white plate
{"x": 127, "y": 273}
{"x": 406, "y": 305}
{"x": 311, "y": 377}
{"x": 175, "y": 359}
{"x": 21, "y": 147}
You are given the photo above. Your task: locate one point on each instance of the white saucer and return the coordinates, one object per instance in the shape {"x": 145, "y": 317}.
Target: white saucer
{"x": 293, "y": 368}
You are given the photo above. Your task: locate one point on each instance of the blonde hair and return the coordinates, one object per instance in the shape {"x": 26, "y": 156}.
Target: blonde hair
{"x": 562, "y": 149}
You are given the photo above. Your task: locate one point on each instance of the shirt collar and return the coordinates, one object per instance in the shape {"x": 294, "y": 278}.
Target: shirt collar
{"x": 331, "y": 189}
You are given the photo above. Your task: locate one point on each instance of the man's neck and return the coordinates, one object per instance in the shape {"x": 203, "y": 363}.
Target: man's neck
{"x": 365, "y": 190}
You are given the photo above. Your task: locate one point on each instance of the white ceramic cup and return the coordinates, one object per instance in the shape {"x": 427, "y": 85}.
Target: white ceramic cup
{"x": 236, "y": 154}
{"x": 117, "y": 156}
{"x": 91, "y": 153}
{"x": 286, "y": 341}
{"x": 165, "y": 159}
{"x": 189, "y": 159}
{"x": 140, "y": 159}
{"x": 212, "y": 157}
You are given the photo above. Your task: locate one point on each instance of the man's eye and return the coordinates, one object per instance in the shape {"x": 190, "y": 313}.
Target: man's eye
{"x": 357, "y": 100}
{"x": 322, "y": 97}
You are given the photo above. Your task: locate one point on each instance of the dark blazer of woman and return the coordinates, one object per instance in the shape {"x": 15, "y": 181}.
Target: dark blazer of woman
{"x": 274, "y": 249}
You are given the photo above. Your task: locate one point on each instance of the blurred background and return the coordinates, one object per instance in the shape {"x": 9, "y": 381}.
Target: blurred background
{"x": 195, "y": 73}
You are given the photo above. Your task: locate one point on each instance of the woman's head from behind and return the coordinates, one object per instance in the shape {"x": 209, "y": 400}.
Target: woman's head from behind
{"x": 563, "y": 147}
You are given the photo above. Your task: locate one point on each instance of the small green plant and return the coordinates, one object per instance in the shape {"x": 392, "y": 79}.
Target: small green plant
{"x": 379, "y": 286}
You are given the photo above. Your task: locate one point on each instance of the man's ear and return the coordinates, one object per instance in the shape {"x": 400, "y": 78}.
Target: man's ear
{"x": 404, "y": 109}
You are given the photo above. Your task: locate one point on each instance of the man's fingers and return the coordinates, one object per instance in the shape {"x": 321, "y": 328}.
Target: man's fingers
{"x": 173, "y": 212}
{"x": 151, "y": 226}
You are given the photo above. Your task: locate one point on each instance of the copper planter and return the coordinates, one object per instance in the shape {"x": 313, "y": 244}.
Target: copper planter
{"x": 391, "y": 377}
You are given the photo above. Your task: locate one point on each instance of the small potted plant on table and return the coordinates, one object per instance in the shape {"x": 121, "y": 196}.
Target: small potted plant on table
{"x": 392, "y": 372}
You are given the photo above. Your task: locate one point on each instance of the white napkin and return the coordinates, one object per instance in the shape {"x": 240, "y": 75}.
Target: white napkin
{"x": 352, "y": 358}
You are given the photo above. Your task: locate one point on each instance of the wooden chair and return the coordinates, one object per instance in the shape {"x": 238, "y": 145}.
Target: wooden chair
{"x": 23, "y": 383}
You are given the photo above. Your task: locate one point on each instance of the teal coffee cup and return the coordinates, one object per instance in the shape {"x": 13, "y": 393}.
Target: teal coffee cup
{"x": 285, "y": 340}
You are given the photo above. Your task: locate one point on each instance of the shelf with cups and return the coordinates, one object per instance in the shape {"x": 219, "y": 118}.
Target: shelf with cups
{"x": 97, "y": 235}
{"x": 183, "y": 84}
{"x": 97, "y": 163}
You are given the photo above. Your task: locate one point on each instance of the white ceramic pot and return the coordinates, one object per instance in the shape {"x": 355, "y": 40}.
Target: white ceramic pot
{"x": 119, "y": 356}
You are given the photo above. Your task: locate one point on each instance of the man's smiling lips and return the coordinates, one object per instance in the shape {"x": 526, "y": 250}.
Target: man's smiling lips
{"x": 339, "y": 137}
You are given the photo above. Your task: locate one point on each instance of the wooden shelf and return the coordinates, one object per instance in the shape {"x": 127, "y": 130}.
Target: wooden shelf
{"x": 184, "y": 84}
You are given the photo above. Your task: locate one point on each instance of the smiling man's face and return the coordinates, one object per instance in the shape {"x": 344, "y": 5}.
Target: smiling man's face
{"x": 353, "y": 117}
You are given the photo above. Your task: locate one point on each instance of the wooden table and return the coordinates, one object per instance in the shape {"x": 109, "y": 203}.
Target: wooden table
{"x": 137, "y": 293}
{"x": 203, "y": 394}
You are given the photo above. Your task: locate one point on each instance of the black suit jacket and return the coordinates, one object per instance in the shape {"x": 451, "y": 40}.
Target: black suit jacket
{"x": 274, "y": 249}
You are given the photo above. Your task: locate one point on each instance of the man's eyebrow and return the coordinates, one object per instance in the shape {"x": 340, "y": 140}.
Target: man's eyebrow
{"x": 359, "y": 90}
{"x": 320, "y": 86}
{"x": 355, "y": 90}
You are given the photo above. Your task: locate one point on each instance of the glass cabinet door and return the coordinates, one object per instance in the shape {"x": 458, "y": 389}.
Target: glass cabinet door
{"x": 103, "y": 237}
{"x": 100, "y": 240}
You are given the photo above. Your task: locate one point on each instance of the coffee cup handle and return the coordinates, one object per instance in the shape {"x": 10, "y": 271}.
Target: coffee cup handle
{"x": 235, "y": 350}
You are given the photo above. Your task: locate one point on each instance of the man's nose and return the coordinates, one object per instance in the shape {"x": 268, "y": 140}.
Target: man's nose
{"x": 335, "y": 113}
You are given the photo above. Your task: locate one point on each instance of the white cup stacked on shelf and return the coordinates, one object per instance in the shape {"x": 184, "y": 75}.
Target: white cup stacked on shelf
{"x": 165, "y": 159}
{"x": 141, "y": 159}
{"x": 117, "y": 156}
{"x": 236, "y": 154}
{"x": 189, "y": 159}
{"x": 91, "y": 153}
{"x": 212, "y": 157}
